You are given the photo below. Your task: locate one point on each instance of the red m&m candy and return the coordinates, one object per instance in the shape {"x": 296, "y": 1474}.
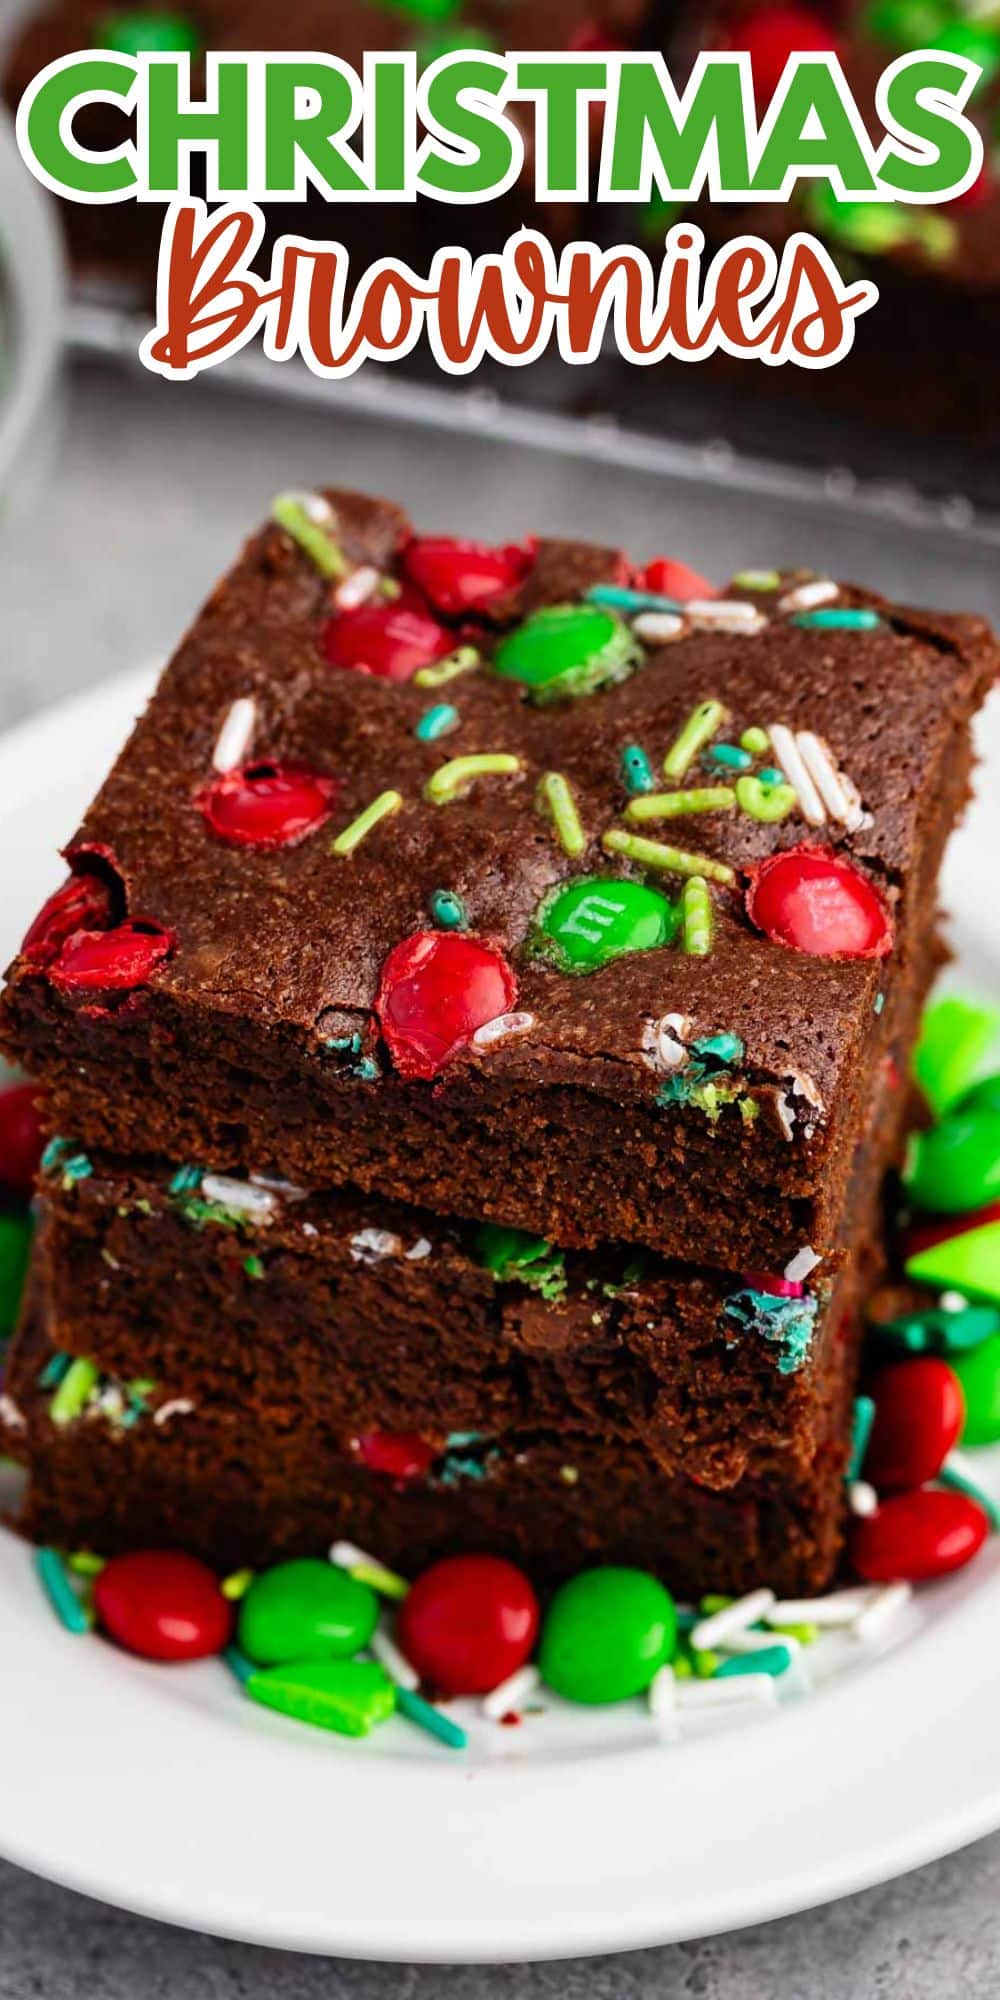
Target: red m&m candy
{"x": 436, "y": 989}
{"x": 461, "y": 577}
{"x": 674, "y": 579}
{"x": 771, "y": 35}
{"x": 467, "y": 1623}
{"x": 396, "y": 1454}
{"x": 814, "y": 900}
{"x": 916, "y": 1536}
{"x": 391, "y": 642}
{"x": 166, "y": 1607}
{"x": 267, "y": 805}
{"x": 20, "y": 1141}
{"x": 112, "y": 961}
{"x": 919, "y": 1411}
{"x": 82, "y": 904}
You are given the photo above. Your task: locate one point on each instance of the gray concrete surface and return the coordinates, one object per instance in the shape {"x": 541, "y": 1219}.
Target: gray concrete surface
{"x": 150, "y": 490}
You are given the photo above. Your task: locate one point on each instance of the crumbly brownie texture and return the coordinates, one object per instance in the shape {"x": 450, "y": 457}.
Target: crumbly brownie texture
{"x": 237, "y": 1487}
{"x": 256, "y": 1041}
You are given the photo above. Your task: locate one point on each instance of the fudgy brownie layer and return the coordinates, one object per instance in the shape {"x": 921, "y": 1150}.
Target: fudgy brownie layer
{"x": 235, "y": 1488}
{"x": 257, "y": 1041}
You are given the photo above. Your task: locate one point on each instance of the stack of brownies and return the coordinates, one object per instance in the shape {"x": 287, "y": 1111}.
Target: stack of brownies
{"x": 472, "y": 1033}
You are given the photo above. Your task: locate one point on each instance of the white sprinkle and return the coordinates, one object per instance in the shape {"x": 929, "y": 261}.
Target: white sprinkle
{"x": 12, "y": 1415}
{"x": 290, "y": 1189}
{"x": 735, "y": 1617}
{"x": 239, "y": 1196}
{"x": 657, "y": 628}
{"x": 838, "y": 794}
{"x": 421, "y": 1248}
{"x": 236, "y": 735}
{"x": 179, "y": 1406}
{"x": 953, "y": 1302}
{"x": 357, "y": 588}
{"x": 862, "y": 1499}
{"x": 786, "y": 1116}
{"x": 396, "y": 1665}
{"x": 803, "y": 1086}
{"x": 511, "y": 1693}
{"x": 883, "y": 1611}
{"x": 663, "y": 1041}
{"x": 315, "y": 505}
{"x": 840, "y": 1607}
{"x": 369, "y": 1246}
{"x": 757, "y": 1642}
{"x": 806, "y": 596}
{"x": 503, "y": 1025}
{"x": 728, "y": 1692}
{"x": 661, "y": 1695}
{"x": 787, "y": 752}
{"x": 728, "y": 611}
{"x": 799, "y": 1266}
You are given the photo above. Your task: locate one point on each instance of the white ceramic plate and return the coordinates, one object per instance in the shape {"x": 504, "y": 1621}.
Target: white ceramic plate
{"x": 162, "y": 1790}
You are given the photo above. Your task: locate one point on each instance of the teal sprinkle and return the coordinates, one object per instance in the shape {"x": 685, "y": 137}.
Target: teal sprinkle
{"x": 76, "y": 1168}
{"x": 426, "y": 1716}
{"x": 447, "y": 910}
{"x": 839, "y": 618}
{"x": 238, "y": 1664}
{"x": 861, "y": 1430}
{"x": 457, "y": 1466}
{"x": 724, "y": 1047}
{"x": 937, "y": 1331}
{"x": 52, "y": 1374}
{"x": 364, "y": 1067}
{"x": 637, "y": 773}
{"x": 773, "y": 1660}
{"x": 728, "y": 755}
{"x": 53, "y": 1154}
{"x": 436, "y": 721}
{"x": 456, "y": 1439}
{"x": 879, "y": 1002}
{"x": 701, "y": 1083}
{"x": 787, "y": 1324}
{"x": 960, "y": 1482}
{"x": 68, "y": 1607}
{"x": 184, "y": 1180}
{"x": 615, "y": 597}
{"x": 350, "y": 1043}
{"x": 367, "y": 1069}
{"x": 771, "y": 776}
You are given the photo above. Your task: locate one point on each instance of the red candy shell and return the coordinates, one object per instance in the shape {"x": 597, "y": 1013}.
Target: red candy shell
{"x": 112, "y": 961}
{"x": 674, "y": 579}
{"x": 462, "y": 576}
{"x": 772, "y": 35}
{"x": 397, "y": 1454}
{"x": 816, "y": 901}
{"x": 162, "y": 1606}
{"x": 916, "y": 1536}
{"x": 389, "y": 641}
{"x": 436, "y": 989}
{"x": 919, "y": 1412}
{"x": 20, "y": 1141}
{"x": 264, "y": 804}
{"x": 467, "y": 1623}
{"x": 82, "y": 904}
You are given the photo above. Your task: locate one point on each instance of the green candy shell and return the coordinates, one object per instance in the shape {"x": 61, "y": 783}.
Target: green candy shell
{"x": 567, "y": 650}
{"x": 306, "y": 1610}
{"x": 607, "y": 1632}
{"x": 135, "y": 31}
{"x": 350, "y": 1696}
{"x": 969, "y": 1263}
{"x": 956, "y": 1039}
{"x": 591, "y": 921}
{"x": 979, "y": 1375}
{"x": 983, "y": 1096}
{"x": 956, "y": 1165}
{"x": 15, "y": 1248}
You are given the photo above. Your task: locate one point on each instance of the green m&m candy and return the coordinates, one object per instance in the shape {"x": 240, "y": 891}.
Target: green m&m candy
{"x": 141, "y": 31}
{"x": 589, "y": 922}
{"x": 15, "y": 1243}
{"x": 306, "y": 1610}
{"x": 350, "y": 1696}
{"x": 907, "y": 24}
{"x": 956, "y": 1038}
{"x": 567, "y": 650}
{"x": 979, "y": 1375}
{"x": 608, "y": 1631}
{"x": 983, "y": 1096}
{"x": 956, "y": 1165}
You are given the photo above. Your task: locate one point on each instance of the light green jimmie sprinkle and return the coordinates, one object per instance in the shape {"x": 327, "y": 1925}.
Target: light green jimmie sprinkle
{"x": 763, "y": 801}
{"x": 757, "y": 579}
{"x": 698, "y": 730}
{"x": 292, "y": 512}
{"x": 555, "y": 798}
{"x": 386, "y": 804}
{"x": 461, "y": 661}
{"x": 450, "y": 779}
{"x": 673, "y": 860}
{"x": 77, "y": 1385}
{"x": 756, "y": 740}
{"x": 670, "y": 805}
{"x": 697, "y": 917}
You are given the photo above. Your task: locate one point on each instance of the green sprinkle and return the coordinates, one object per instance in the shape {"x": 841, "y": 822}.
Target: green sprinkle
{"x": 381, "y": 808}
{"x": 447, "y": 910}
{"x": 636, "y": 770}
{"x": 452, "y": 778}
{"x": 731, "y": 756}
{"x": 705, "y": 1664}
{"x": 708, "y": 1606}
{"x": 806, "y": 1635}
{"x": 861, "y": 1430}
{"x": 671, "y": 805}
{"x": 427, "y": 1717}
{"x": 292, "y": 512}
{"x": 697, "y": 917}
{"x": 765, "y": 801}
{"x": 254, "y": 1267}
{"x": 959, "y": 1482}
{"x": 698, "y": 730}
{"x": 673, "y": 860}
{"x": 236, "y": 1586}
{"x": 437, "y": 721}
{"x": 70, "y": 1610}
{"x": 757, "y": 579}
{"x": 757, "y": 741}
{"x": 839, "y": 618}
{"x": 83, "y": 1562}
{"x": 77, "y": 1385}
{"x": 555, "y": 798}
{"x": 462, "y": 661}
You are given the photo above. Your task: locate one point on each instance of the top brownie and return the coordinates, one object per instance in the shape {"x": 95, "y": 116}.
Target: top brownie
{"x": 516, "y": 883}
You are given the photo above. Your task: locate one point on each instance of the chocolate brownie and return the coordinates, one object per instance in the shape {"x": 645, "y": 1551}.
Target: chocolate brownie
{"x": 432, "y": 935}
